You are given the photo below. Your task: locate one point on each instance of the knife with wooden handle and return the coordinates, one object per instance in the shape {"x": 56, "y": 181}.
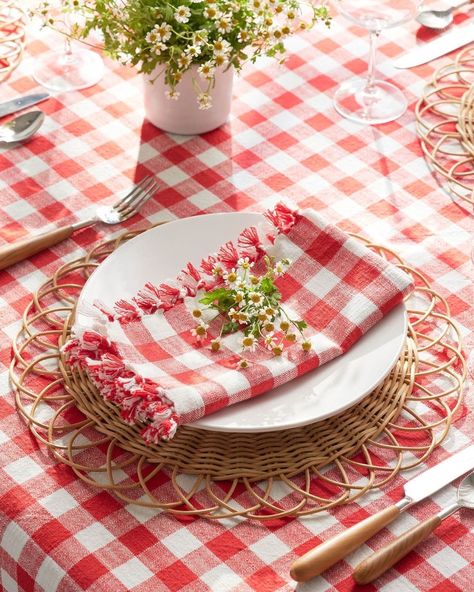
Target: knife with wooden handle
{"x": 314, "y": 562}
{"x": 377, "y": 563}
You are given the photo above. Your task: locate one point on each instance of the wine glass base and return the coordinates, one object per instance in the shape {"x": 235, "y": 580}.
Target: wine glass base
{"x": 70, "y": 71}
{"x": 384, "y": 103}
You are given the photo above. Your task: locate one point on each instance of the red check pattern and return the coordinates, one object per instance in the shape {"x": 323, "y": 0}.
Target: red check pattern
{"x": 283, "y": 140}
{"x": 337, "y": 285}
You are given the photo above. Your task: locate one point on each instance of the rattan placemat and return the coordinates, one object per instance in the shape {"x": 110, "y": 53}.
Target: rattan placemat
{"x": 445, "y": 116}
{"x": 12, "y": 36}
{"x": 212, "y": 474}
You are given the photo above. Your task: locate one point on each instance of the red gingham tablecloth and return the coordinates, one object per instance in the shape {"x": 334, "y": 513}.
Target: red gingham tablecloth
{"x": 284, "y": 140}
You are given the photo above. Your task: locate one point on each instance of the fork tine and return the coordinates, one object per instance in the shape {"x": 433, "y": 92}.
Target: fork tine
{"x": 132, "y": 198}
{"x": 135, "y": 189}
{"x": 132, "y": 210}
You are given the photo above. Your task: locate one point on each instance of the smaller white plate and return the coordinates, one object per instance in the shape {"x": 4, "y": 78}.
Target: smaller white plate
{"x": 160, "y": 253}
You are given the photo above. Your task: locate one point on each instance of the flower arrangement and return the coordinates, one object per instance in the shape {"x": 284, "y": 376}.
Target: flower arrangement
{"x": 251, "y": 304}
{"x": 179, "y": 34}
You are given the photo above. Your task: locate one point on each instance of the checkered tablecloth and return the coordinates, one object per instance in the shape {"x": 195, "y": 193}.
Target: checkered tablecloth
{"x": 284, "y": 140}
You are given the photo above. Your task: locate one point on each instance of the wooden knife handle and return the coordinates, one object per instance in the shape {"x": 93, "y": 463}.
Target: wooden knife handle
{"x": 24, "y": 248}
{"x": 326, "y": 554}
{"x": 377, "y": 563}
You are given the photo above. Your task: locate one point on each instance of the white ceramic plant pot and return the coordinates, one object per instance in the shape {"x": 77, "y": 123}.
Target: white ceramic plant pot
{"x": 183, "y": 116}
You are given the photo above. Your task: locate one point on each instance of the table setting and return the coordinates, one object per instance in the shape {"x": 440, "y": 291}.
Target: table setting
{"x": 236, "y": 266}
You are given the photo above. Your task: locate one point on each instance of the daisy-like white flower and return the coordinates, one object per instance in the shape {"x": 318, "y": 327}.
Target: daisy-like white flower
{"x": 256, "y": 298}
{"x": 239, "y": 296}
{"x": 224, "y": 25}
{"x": 217, "y": 269}
{"x": 215, "y": 344}
{"x": 163, "y": 31}
{"x": 231, "y": 277}
{"x": 242, "y": 364}
{"x": 256, "y": 4}
{"x": 184, "y": 61}
{"x": 182, "y": 14}
{"x": 152, "y": 37}
{"x": 242, "y": 318}
{"x": 248, "y": 343}
{"x": 200, "y": 331}
{"x": 207, "y": 70}
{"x": 197, "y": 313}
{"x": 277, "y": 350}
{"x": 269, "y": 341}
{"x": 276, "y": 33}
{"x": 269, "y": 327}
{"x": 211, "y": 12}
{"x": 221, "y": 47}
{"x": 233, "y": 314}
{"x": 290, "y": 14}
{"x": 243, "y": 36}
{"x": 306, "y": 346}
{"x": 245, "y": 263}
{"x": 220, "y": 60}
{"x": 172, "y": 94}
{"x": 254, "y": 280}
{"x": 159, "y": 48}
{"x": 284, "y": 325}
{"x": 193, "y": 50}
{"x": 270, "y": 311}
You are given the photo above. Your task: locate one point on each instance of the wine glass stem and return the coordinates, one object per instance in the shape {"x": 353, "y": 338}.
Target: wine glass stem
{"x": 372, "y": 60}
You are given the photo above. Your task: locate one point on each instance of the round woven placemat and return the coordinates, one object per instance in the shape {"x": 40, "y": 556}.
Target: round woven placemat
{"x": 445, "y": 117}
{"x": 12, "y": 36}
{"x": 212, "y": 474}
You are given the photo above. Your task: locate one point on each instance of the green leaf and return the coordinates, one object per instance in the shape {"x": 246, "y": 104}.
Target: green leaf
{"x": 230, "y": 327}
{"x": 211, "y": 297}
{"x": 301, "y": 324}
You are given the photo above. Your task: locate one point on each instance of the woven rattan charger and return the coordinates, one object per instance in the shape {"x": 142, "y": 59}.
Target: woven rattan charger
{"x": 266, "y": 475}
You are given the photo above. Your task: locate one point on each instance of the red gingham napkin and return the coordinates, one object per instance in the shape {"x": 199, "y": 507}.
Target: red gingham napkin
{"x": 143, "y": 356}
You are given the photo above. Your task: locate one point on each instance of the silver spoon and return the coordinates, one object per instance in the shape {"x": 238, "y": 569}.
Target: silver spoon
{"x": 439, "y": 19}
{"x": 22, "y": 127}
{"x": 377, "y": 563}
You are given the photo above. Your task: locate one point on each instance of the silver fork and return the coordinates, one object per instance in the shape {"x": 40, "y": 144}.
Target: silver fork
{"x": 121, "y": 210}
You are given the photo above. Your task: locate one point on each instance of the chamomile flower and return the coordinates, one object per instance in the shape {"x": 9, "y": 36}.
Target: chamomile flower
{"x": 243, "y": 36}
{"x": 207, "y": 70}
{"x": 215, "y": 344}
{"x": 184, "y": 61}
{"x": 224, "y": 25}
{"x": 182, "y": 14}
{"x": 248, "y": 343}
{"x": 211, "y": 12}
{"x": 270, "y": 341}
{"x": 163, "y": 31}
{"x": 306, "y": 345}
{"x": 284, "y": 325}
{"x": 242, "y": 318}
{"x": 204, "y": 101}
{"x": 242, "y": 364}
{"x": 231, "y": 277}
{"x": 256, "y": 298}
{"x": 221, "y": 47}
{"x": 200, "y": 331}
{"x": 245, "y": 263}
{"x": 193, "y": 50}
{"x": 172, "y": 94}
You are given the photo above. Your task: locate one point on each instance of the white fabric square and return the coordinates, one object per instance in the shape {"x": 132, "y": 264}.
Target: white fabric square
{"x": 270, "y": 548}
{"x": 194, "y": 359}
{"x": 23, "y": 469}
{"x": 132, "y": 573}
{"x": 447, "y": 561}
{"x": 222, "y": 578}
{"x": 13, "y": 540}
{"x": 58, "y": 502}
{"x": 49, "y": 575}
{"x": 173, "y": 176}
{"x": 359, "y": 307}
{"x": 322, "y": 283}
{"x": 8, "y": 584}
{"x": 94, "y": 537}
{"x": 181, "y": 542}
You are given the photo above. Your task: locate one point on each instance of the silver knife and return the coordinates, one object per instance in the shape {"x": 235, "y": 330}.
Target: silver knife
{"x": 22, "y": 103}
{"x": 420, "y": 487}
{"x": 440, "y": 46}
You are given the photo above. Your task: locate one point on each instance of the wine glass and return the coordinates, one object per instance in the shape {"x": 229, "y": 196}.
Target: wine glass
{"x": 73, "y": 69}
{"x": 368, "y": 100}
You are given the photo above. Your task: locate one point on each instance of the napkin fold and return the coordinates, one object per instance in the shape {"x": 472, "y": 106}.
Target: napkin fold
{"x": 142, "y": 354}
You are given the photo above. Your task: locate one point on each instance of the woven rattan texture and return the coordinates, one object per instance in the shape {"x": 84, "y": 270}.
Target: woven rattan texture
{"x": 286, "y": 473}
{"x": 445, "y": 116}
{"x": 12, "y": 36}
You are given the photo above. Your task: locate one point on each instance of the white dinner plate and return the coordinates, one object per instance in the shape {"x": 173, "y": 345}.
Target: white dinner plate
{"x": 160, "y": 253}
